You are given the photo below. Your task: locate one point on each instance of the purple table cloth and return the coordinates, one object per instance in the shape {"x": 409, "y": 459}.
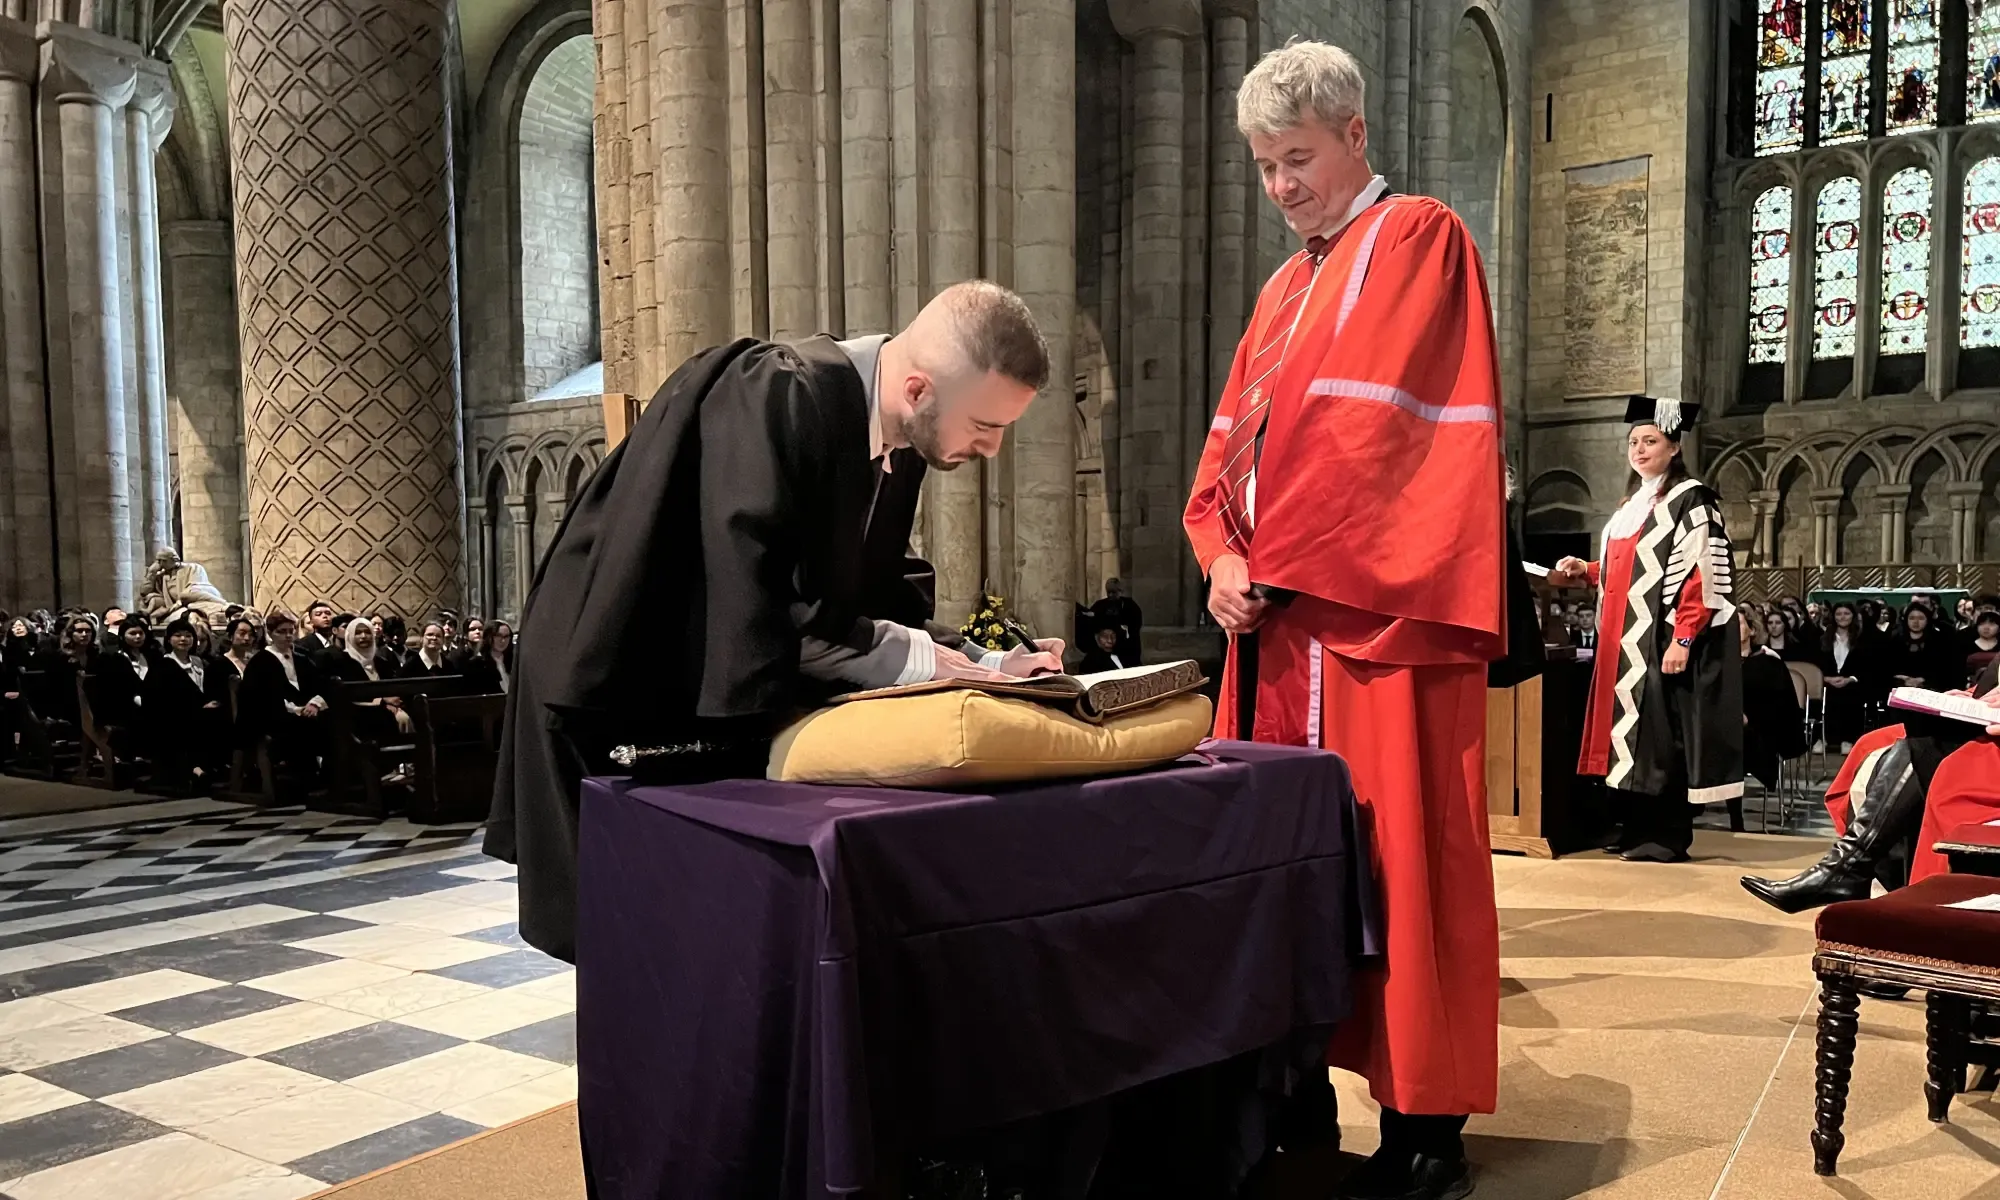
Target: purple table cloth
{"x": 780, "y": 985}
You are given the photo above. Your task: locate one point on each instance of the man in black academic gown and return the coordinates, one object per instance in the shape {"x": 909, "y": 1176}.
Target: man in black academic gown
{"x": 743, "y": 553}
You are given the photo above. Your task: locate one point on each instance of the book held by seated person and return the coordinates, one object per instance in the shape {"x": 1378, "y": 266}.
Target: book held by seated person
{"x": 1093, "y": 697}
{"x": 1944, "y": 704}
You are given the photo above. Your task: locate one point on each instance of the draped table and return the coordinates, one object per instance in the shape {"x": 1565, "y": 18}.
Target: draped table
{"x": 782, "y": 988}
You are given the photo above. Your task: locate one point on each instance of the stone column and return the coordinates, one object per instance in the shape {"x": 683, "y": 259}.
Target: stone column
{"x": 339, "y": 151}
{"x": 690, "y": 177}
{"x": 1895, "y": 500}
{"x": 866, "y": 169}
{"x": 85, "y": 79}
{"x": 1230, "y": 279}
{"x": 523, "y": 529}
{"x": 26, "y": 534}
{"x": 1764, "y": 546}
{"x": 790, "y": 179}
{"x": 1044, "y": 70}
{"x": 147, "y": 119}
{"x": 949, "y": 115}
{"x": 1826, "y": 532}
{"x": 211, "y": 408}
{"x": 1150, "y": 416}
{"x": 1964, "y": 499}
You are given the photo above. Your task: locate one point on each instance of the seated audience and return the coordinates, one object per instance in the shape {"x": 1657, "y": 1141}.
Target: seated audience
{"x": 186, "y": 711}
{"x": 1854, "y": 675}
{"x": 1920, "y": 657}
{"x": 1983, "y": 644}
{"x": 490, "y": 668}
{"x": 381, "y": 718}
{"x": 117, "y": 687}
{"x": 429, "y": 656}
{"x": 282, "y": 698}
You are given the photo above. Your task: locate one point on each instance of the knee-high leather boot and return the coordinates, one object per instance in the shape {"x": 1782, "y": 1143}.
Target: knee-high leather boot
{"x": 1890, "y": 806}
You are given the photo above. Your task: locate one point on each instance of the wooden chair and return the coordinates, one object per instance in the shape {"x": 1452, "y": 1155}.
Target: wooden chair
{"x": 46, "y": 748}
{"x": 458, "y": 752}
{"x": 96, "y": 748}
{"x": 1909, "y": 938}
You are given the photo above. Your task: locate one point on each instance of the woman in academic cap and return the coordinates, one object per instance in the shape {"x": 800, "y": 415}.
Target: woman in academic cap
{"x": 1664, "y": 724}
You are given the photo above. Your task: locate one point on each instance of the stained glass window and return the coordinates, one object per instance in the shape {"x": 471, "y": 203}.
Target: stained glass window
{"x": 1843, "y": 72}
{"x": 1781, "y": 75}
{"x": 1770, "y": 274}
{"x": 1836, "y": 268}
{"x": 1906, "y": 261}
{"x": 1980, "y": 320}
{"x": 1913, "y": 63}
{"x": 1982, "y": 66}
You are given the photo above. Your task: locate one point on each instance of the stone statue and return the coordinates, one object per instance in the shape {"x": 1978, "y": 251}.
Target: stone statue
{"x": 172, "y": 584}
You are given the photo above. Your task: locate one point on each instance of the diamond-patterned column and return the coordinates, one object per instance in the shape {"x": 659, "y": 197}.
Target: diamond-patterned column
{"x": 339, "y": 152}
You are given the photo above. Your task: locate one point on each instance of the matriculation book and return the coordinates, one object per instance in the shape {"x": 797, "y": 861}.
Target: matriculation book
{"x": 1094, "y": 697}
{"x": 1943, "y": 704}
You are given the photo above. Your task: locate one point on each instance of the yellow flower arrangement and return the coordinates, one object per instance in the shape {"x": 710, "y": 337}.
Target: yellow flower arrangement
{"x": 985, "y": 626}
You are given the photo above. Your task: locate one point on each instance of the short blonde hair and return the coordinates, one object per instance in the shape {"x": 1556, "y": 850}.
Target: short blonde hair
{"x": 1296, "y": 81}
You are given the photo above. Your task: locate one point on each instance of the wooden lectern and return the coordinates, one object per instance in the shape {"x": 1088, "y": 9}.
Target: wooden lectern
{"x": 621, "y": 412}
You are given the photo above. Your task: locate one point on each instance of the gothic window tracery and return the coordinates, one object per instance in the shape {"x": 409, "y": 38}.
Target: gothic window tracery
{"x": 1770, "y": 275}
{"x": 1913, "y": 64}
{"x": 1836, "y": 268}
{"x": 1979, "y": 322}
{"x": 1847, "y": 39}
{"x": 1781, "y": 75}
{"x": 1906, "y": 261}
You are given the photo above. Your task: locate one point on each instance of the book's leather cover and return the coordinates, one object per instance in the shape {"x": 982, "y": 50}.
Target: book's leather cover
{"x": 1087, "y": 697}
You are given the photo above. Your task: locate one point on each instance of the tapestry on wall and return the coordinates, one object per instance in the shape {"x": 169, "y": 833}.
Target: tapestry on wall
{"x": 1604, "y": 292}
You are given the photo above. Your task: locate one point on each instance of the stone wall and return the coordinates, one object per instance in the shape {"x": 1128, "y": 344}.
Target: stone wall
{"x": 558, "y": 224}
{"x": 1625, "y": 84}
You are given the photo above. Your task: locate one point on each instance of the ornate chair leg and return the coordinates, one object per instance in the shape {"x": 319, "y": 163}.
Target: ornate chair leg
{"x": 1839, "y": 1007}
{"x": 1947, "y": 1021}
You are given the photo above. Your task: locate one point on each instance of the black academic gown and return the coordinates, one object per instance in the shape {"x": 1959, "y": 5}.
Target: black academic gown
{"x": 740, "y": 515}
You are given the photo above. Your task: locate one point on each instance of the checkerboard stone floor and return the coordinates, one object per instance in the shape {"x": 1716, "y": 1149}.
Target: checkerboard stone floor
{"x": 239, "y": 1004}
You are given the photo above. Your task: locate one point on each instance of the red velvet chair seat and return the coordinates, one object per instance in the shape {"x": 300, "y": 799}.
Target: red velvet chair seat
{"x": 1912, "y": 923}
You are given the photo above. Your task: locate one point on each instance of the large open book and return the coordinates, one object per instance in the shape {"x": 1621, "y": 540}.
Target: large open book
{"x": 1092, "y": 698}
{"x": 1940, "y": 704}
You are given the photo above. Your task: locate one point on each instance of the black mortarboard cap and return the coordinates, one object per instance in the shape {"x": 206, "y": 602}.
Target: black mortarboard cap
{"x": 1671, "y": 416}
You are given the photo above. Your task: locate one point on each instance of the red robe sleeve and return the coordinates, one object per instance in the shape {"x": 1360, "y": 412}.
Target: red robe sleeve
{"x": 1594, "y": 572}
{"x": 1380, "y": 492}
{"x": 1691, "y": 616}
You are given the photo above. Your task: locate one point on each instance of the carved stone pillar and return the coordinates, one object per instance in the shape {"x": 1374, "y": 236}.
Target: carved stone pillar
{"x": 1044, "y": 452}
{"x": 1826, "y": 531}
{"x": 521, "y": 523}
{"x": 1964, "y": 499}
{"x": 1150, "y": 425}
{"x": 26, "y": 536}
{"x": 1230, "y": 280}
{"x": 147, "y": 118}
{"x": 1764, "y": 544}
{"x": 340, "y": 157}
{"x": 211, "y": 407}
{"x": 86, "y": 78}
{"x": 1895, "y": 501}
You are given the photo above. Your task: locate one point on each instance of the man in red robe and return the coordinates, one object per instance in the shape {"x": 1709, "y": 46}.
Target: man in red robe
{"x": 1349, "y": 514}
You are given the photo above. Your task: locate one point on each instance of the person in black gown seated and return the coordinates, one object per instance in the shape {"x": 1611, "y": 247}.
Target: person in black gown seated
{"x": 1851, "y": 663}
{"x": 1773, "y": 724}
{"x": 282, "y": 697}
{"x": 490, "y": 669}
{"x": 1922, "y": 657}
{"x": 428, "y": 659}
{"x": 117, "y": 687}
{"x": 381, "y": 718}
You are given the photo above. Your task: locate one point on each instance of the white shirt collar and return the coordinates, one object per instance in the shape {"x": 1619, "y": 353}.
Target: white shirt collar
{"x": 866, "y": 355}
{"x": 1369, "y": 195}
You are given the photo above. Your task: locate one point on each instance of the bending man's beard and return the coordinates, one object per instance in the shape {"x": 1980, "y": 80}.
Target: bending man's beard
{"x": 927, "y": 440}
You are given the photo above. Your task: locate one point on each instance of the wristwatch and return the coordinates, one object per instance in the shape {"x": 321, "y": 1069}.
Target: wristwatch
{"x": 1683, "y": 643}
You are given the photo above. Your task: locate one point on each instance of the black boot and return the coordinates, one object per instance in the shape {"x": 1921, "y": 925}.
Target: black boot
{"x": 1890, "y": 805}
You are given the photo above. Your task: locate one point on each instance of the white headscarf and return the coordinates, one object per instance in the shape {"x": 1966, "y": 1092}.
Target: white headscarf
{"x": 367, "y": 660}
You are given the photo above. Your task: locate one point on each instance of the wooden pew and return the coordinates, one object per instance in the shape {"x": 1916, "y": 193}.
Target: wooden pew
{"x": 359, "y": 765}
{"x": 458, "y": 751}
{"x": 46, "y": 747}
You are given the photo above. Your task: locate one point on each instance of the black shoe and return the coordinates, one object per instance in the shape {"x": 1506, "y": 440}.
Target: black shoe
{"x": 1654, "y": 852}
{"x": 1817, "y": 885}
{"x": 1407, "y": 1175}
{"x": 1891, "y": 805}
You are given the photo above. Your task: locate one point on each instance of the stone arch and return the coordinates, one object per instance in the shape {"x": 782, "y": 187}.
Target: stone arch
{"x": 1870, "y": 445}
{"x": 1479, "y": 135}
{"x": 1858, "y": 522}
{"x": 1945, "y": 442}
{"x": 495, "y": 355}
{"x": 1793, "y": 477}
{"x": 1559, "y": 501}
{"x": 1808, "y": 453}
{"x": 196, "y": 144}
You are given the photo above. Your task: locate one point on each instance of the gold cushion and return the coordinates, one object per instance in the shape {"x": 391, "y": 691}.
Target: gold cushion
{"x": 948, "y": 739}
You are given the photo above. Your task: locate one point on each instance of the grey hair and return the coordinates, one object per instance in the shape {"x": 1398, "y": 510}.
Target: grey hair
{"x": 1296, "y": 81}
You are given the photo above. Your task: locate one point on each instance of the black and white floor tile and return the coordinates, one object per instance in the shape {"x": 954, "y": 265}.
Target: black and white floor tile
{"x": 239, "y": 1004}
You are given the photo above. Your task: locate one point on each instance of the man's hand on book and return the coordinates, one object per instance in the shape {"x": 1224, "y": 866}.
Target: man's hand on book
{"x": 1045, "y": 659}
{"x": 953, "y": 665}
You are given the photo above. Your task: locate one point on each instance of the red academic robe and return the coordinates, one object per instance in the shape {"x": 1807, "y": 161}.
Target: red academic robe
{"x": 1380, "y": 503}
{"x": 1965, "y": 791}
